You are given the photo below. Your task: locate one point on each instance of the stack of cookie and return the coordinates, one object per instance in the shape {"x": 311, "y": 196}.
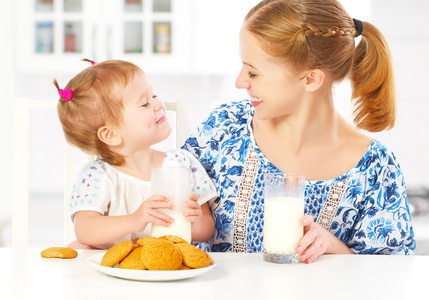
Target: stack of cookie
{"x": 164, "y": 253}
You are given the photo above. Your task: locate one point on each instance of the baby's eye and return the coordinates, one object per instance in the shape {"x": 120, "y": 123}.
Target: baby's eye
{"x": 154, "y": 96}
{"x": 146, "y": 104}
{"x": 251, "y": 75}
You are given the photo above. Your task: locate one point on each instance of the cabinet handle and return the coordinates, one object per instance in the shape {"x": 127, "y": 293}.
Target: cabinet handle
{"x": 94, "y": 43}
{"x": 109, "y": 42}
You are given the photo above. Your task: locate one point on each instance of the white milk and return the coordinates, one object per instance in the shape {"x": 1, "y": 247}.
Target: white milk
{"x": 282, "y": 227}
{"x": 175, "y": 184}
{"x": 180, "y": 227}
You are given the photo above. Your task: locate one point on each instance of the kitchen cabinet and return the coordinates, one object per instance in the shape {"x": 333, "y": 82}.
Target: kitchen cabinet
{"x": 161, "y": 36}
{"x": 52, "y": 35}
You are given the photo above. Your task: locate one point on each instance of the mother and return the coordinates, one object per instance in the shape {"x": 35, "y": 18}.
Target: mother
{"x": 293, "y": 53}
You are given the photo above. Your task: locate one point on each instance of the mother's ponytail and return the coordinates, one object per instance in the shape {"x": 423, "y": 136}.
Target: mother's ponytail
{"x": 373, "y": 86}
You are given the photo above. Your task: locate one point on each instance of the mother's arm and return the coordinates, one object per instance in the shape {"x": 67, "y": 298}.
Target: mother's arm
{"x": 383, "y": 225}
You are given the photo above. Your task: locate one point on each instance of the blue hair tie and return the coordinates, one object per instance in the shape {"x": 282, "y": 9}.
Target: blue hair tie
{"x": 358, "y": 27}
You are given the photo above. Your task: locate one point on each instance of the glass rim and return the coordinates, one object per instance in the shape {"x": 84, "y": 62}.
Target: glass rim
{"x": 186, "y": 168}
{"x": 173, "y": 170}
{"x": 284, "y": 175}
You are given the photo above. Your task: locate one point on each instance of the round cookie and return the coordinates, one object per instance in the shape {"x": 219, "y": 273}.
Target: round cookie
{"x": 183, "y": 267}
{"x": 140, "y": 242}
{"x": 173, "y": 238}
{"x": 194, "y": 257}
{"x": 132, "y": 261}
{"x": 59, "y": 252}
{"x": 116, "y": 253}
{"x": 160, "y": 254}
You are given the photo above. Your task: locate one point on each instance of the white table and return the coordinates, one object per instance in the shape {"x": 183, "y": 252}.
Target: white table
{"x": 24, "y": 274}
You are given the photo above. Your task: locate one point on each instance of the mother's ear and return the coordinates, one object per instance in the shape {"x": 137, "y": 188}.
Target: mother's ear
{"x": 314, "y": 80}
{"x": 109, "y": 136}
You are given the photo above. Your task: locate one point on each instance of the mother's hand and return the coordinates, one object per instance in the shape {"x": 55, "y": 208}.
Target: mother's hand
{"x": 317, "y": 241}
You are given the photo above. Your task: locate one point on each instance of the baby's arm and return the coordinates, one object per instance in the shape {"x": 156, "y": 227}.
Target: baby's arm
{"x": 93, "y": 228}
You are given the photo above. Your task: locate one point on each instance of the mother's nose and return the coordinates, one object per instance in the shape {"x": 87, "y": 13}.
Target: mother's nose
{"x": 242, "y": 81}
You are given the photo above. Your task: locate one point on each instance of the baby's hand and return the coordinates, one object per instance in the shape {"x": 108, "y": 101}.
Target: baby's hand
{"x": 192, "y": 210}
{"x": 148, "y": 213}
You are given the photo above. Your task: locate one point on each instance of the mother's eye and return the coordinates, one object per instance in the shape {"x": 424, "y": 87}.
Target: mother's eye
{"x": 251, "y": 75}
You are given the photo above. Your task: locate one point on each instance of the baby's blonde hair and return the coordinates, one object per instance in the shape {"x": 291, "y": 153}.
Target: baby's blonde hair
{"x": 96, "y": 101}
{"x": 310, "y": 34}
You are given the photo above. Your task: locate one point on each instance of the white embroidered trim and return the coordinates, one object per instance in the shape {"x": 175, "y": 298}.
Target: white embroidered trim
{"x": 330, "y": 208}
{"x": 242, "y": 202}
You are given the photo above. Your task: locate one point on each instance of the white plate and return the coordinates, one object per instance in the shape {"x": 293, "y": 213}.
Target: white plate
{"x": 146, "y": 275}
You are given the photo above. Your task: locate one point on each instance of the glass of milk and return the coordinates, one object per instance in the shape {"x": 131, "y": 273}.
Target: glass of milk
{"x": 283, "y": 209}
{"x": 175, "y": 184}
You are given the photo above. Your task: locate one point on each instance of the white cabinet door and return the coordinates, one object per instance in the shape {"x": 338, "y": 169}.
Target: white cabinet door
{"x": 49, "y": 34}
{"x": 157, "y": 37}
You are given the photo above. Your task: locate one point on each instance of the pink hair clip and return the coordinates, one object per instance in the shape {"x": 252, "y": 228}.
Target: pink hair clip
{"x": 93, "y": 62}
{"x": 66, "y": 94}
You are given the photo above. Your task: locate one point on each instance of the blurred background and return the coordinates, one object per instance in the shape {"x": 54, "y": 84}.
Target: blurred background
{"x": 189, "y": 50}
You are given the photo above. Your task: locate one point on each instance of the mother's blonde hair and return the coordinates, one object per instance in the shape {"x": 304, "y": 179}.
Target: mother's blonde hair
{"x": 97, "y": 101}
{"x": 312, "y": 34}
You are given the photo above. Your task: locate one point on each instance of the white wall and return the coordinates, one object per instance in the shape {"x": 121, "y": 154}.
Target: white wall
{"x": 6, "y": 93}
{"x": 404, "y": 24}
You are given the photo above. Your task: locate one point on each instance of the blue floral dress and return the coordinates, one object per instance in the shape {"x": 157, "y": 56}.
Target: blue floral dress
{"x": 366, "y": 208}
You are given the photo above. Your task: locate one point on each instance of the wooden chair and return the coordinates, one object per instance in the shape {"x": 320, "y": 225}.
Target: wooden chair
{"x": 22, "y": 110}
